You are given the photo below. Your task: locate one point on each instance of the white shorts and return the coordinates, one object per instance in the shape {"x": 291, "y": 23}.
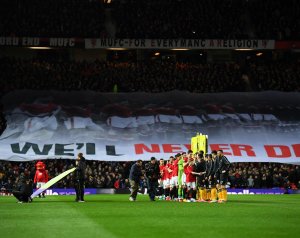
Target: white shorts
{"x": 191, "y": 185}
{"x": 174, "y": 181}
{"x": 39, "y": 184}
{"x": 160, "y": 183}
{"x": 166, "y": 183}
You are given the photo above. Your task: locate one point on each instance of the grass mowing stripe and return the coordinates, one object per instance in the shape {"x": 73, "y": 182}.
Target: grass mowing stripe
{"x": 50, "y": 217}
{"x": 115, "y": 216}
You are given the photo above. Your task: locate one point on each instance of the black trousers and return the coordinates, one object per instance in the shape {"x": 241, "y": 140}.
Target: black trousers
{"x": 22, "y": 197}
{"x": 152, "y": 185}
{"x": 79, "y": 189}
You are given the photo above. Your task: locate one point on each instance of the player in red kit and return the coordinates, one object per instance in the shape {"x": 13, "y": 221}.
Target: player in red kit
{"x": 191, "y": 180}
{"x": 168, "y": 171}
{"x": 41, "y": 176}
{"x": 174, "y": 180}
{"x": 162, "y": 177}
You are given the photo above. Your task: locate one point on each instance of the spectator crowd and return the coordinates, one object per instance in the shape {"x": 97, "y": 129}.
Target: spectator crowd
{"x": 228, "y": 19}
{"x": 52, "y": 18}
{"x": 100, "y": 174}
{"x": 153, "y": 77}
{"x": 211, "y": 19}
{"x": 264, "y": 175}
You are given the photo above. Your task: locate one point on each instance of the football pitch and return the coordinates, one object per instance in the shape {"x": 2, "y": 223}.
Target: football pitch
{"x": 114, "y": 216}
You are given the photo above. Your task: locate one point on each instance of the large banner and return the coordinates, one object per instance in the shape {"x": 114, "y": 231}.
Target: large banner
{"x": 42, "y": 42}
{"x": 105, "y": 43}
{"x": 249, "y": 127}
{"x": 178, "y": 44}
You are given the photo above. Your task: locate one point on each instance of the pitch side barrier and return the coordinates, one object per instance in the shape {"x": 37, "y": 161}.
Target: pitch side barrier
{"x": 233, "y": 191}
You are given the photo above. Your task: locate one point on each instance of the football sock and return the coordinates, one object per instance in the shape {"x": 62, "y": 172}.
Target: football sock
{"x": 214, "y": 194}
{"x": 220, "y": 194}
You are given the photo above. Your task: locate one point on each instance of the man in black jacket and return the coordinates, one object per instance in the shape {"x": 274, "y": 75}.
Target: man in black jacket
{"x": 134, "y": 177}
{"x": 23, "y": 190}
{"x": 208, "y": 173}
{"x": 152, "y": 174}
{"x": 79, "y": 177}
{"x": 224, "y": 166}
{"x": 200, "y": 170}
{"x": 214, "y": 176}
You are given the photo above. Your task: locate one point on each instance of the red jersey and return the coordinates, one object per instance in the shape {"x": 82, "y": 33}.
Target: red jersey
{"x": 169, "y": 166}
{"x": 189, "y": 176}
{"x": 175, "y": 168}
{"x": 166, "y": 173}
{"x": 41, "y": 176}
{"x": 162, "y": 171}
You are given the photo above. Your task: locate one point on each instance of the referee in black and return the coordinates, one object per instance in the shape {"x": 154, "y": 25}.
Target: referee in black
{"x": 152, "y": 174}
{"x": 79, "y": 178}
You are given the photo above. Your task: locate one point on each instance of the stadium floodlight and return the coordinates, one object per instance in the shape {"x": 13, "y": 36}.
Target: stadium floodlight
{"x": 244, "y": 49}
{"x": 39, "y": 48}
{"x": 116, "y": 49}
{"x": 180, "y": 49}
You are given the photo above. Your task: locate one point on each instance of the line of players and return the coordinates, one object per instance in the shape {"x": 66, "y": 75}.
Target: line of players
{"x": 187, "y": 177}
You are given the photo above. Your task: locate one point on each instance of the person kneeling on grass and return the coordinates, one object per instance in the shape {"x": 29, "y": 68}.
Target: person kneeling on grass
{"x": 23, "y": 190}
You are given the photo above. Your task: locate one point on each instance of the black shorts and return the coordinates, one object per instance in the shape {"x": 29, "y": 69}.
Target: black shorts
{"x": 213, "y": 181}
{"x": 207, "y": 184}
{"x": 217, "y": 177}
{"x": 224, "y": 178}
{"x": 201, "y": 181}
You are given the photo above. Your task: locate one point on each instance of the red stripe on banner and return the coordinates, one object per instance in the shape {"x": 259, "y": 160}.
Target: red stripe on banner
{"x": 282, "y": 45}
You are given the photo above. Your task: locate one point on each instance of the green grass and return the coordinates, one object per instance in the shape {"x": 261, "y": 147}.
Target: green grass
{"x": 114, "y": 216}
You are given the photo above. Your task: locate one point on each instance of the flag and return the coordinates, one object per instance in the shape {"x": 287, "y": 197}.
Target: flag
{"x": 51, "y": 182}
{"x": 33, "y": 124}
{"x": 81, "y": 123}
{"x": 199, "y": 142}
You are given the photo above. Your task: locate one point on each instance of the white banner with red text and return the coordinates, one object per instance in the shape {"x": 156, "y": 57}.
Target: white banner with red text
{"x": 249, "y": 127}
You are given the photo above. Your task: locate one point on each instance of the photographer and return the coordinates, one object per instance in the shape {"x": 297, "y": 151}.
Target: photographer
{"x": 23, "y": 190}
{"x": 152, "y": 174}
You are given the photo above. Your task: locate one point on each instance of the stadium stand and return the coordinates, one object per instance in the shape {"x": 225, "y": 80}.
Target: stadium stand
{"x": 155, "y": 19}
{"x": 229, "y": 19}
{"x": 101, "y": 174}
{"x": 75, "y": 18}
{"x": 151, "y": 77}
